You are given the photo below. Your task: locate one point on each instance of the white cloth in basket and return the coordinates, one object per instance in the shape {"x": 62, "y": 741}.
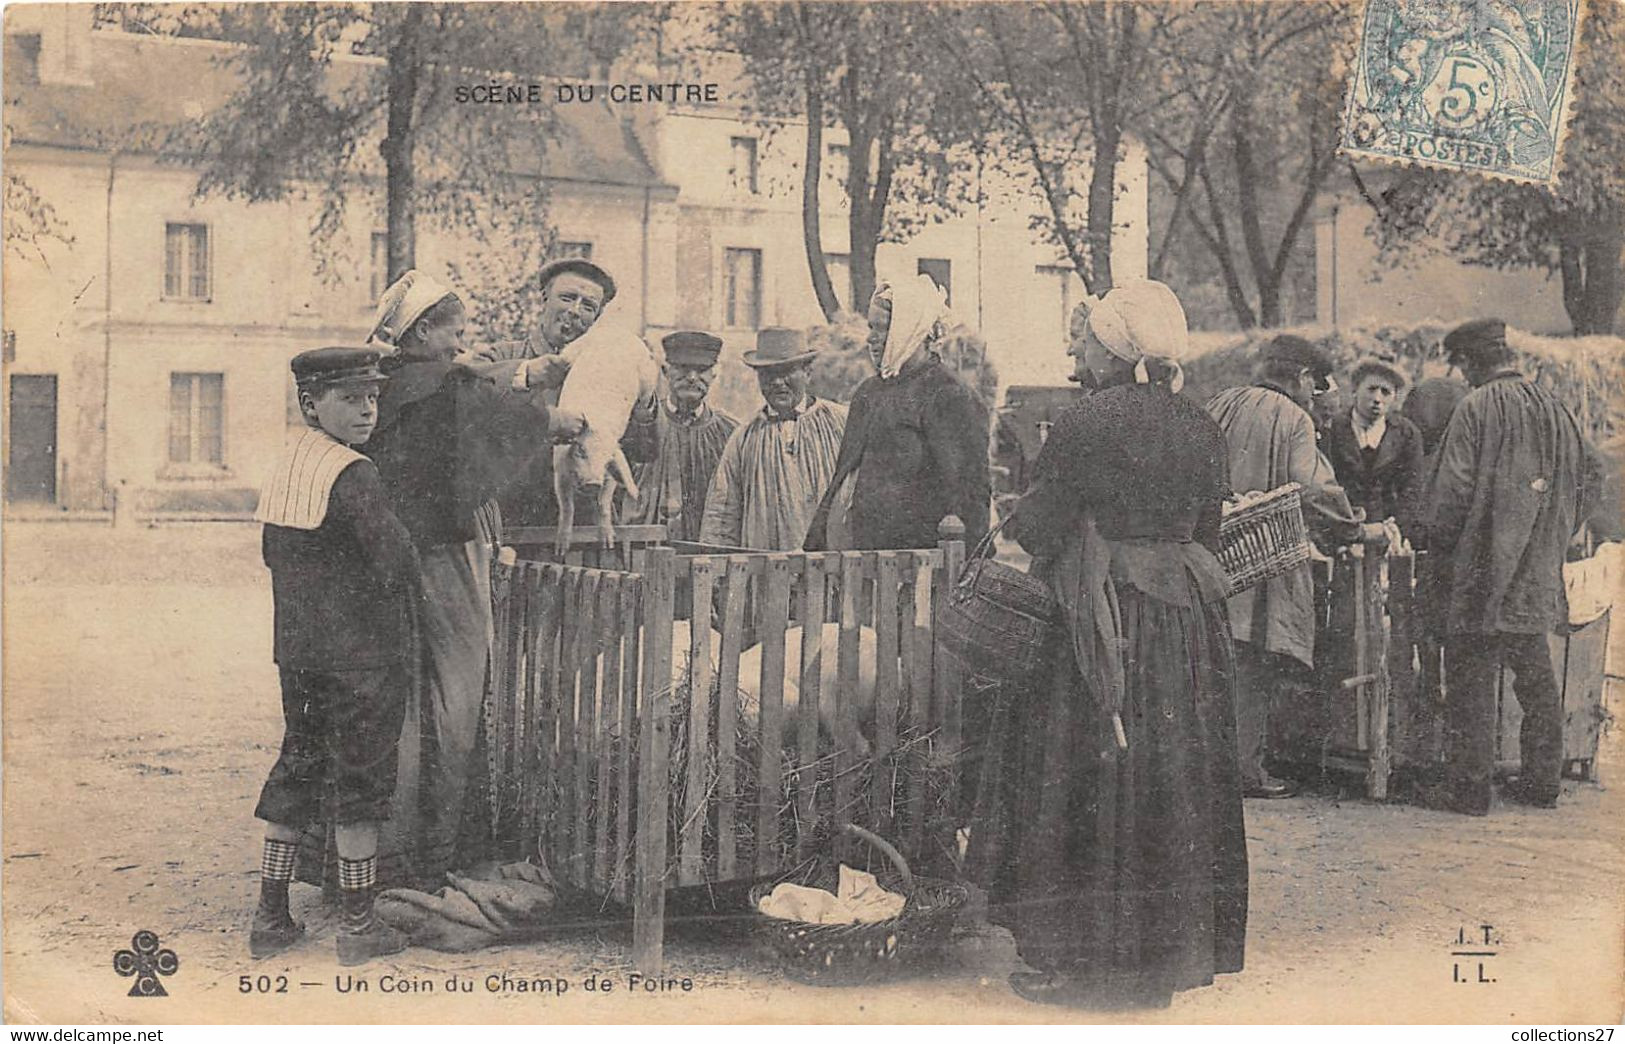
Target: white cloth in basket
{"x": 859, "y": 900}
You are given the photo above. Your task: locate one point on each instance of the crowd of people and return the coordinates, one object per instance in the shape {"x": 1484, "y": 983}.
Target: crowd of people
{"x": 1107, "y": 819}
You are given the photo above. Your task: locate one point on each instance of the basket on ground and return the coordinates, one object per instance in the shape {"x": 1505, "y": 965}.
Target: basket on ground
{"x": 847, "y": 954}
{"x": 1263, "y": 537}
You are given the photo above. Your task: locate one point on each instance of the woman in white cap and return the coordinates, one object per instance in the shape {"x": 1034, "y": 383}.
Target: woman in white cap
{"x": 916, "y": 437}
{"x": 1109, "y": 826}
{"x": 448, "y": 438}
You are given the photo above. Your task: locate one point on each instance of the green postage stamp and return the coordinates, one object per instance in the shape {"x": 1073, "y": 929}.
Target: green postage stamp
{"x": 1480, "y": 85}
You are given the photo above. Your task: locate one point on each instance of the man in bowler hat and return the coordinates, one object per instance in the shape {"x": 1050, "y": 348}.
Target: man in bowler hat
{"x": 775, "y": 469}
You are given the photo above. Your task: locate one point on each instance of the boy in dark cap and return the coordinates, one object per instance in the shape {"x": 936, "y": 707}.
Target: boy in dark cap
{"x": 688, "y": 437}
{"x": 1509, "y": 489}
{"x": 343, "y": 571}
{"x": 1270, "y": 431}
{"x": 1376, "y": 453}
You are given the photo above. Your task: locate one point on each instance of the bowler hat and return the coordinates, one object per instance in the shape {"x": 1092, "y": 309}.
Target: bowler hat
{"x": 1483, "y": 339}
{"x": 1296, "y": 351}
{"x": 779, "y": 346}
{"x": 322, "y": 366}
{"x": 691, "y": 348}
{"x": 579, "y": 266}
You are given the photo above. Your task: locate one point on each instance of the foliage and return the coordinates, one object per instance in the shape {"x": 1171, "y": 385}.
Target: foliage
{"x": 1576, "y": 229}
{"x": 866, "y": 69}
{"x": 1052, "y": 91}
{"x": 30, "y": 219}
{"x": 335, "y": 97}
{"x": 1245, "y": 143}
{"x": 1582, "y": 372}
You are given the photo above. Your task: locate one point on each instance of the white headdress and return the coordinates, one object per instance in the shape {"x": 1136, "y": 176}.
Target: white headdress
{"x": 404, "y": 304}
{"x": 918, "y": 306}
{"x": 1142, "y": 318}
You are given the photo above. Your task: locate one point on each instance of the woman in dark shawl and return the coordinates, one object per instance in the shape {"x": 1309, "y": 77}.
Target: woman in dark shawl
{"x": 1109, "y": 825}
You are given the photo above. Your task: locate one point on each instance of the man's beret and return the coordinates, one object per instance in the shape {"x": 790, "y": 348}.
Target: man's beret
{"x": 1480, "y": 338}
{"x": 691, "y": 347}
{"x": 579, "y": 266}
{"x": 1296, "y": 351}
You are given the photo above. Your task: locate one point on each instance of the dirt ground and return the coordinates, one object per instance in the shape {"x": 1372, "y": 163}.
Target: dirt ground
{"x": 141, "y": 715}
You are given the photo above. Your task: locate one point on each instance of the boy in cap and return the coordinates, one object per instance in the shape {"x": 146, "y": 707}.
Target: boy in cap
{"x": 343, "y": 572}
{"x": 1512, "y": 483}
{"x": 1376, "y": 453}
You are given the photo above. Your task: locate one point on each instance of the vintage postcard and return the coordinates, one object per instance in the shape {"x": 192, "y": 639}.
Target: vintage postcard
{"x": 814, "y": 512}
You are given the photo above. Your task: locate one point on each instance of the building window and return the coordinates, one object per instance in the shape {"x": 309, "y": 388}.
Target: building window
{"x": 1059, "y": 277}
{"x": 572, "y": 248}
{"x": 186, "y": 262}
{"x": 380, "y": 265}
{"x": 742, "y": 169}
{"x": 941, "y": 272}
{"x": 837, "y": 166}
{"x": 839, "y": 267}
{"x": 197, "y": 418}
{"x": 742, "y": 288}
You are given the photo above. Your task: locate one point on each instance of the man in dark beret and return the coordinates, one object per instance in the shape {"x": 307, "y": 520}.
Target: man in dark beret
{"x": 689, "y": 436}
{"x": 1270, "y": 431}
{"x": 575, "y": 292}
{"x": 1511, "y": 485}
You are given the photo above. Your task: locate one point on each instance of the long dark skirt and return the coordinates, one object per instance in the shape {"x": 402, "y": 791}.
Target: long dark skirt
{"x": 1122, "y": 872}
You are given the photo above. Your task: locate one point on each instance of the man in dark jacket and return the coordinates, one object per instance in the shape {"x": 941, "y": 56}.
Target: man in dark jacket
{"x": 1508, "y": 491}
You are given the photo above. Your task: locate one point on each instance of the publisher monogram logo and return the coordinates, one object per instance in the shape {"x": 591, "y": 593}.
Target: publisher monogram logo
{"x": 146, "y": 962}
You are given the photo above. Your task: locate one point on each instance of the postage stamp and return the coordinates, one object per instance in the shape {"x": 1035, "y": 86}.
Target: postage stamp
{"x": 1479, "y": 85}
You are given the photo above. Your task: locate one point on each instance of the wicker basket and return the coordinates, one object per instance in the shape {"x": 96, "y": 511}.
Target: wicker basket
{"x": 851, "y": 954}
{"x": 997, "y": 621}
{"x": 1263, "y": 538}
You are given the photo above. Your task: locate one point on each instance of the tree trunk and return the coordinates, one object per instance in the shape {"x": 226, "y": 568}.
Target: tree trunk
{"x": 1102, "y": 204}
{"x": 812, "y": 236}
{"x": 400, "y": 141}
{"x": 1593, "y": 285}
{"x": 861, "y": 261}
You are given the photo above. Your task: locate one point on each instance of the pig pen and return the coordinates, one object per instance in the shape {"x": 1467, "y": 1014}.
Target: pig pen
{"x": 633, "y": 752}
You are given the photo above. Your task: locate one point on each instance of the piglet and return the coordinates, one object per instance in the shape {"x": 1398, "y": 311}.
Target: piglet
{"x": 611, "y": 371}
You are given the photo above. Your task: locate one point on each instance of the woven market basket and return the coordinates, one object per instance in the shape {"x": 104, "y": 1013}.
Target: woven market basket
{"x": 851, "y": 954}
{"x": 1263, "y": 537}
{"x": 997, "y": 621}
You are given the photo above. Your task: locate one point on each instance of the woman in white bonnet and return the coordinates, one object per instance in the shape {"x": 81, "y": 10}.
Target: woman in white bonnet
{"x": 1109, "y": 828}
{"x": 916, "y": 436}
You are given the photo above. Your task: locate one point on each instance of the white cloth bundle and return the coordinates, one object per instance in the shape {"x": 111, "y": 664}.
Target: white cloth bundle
{"x": 859, "y": 899}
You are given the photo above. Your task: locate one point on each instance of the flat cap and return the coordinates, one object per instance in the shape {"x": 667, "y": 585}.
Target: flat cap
{"x": 691, "y": 347}
{"x": 337, "y": 366}
{"x": 579, "y": 266}
{"x": 1482, "y": 338}
{"x": 1296, "y": 351}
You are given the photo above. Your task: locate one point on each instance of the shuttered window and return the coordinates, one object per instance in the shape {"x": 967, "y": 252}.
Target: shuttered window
{"x": 742, "y": 288}
{"x": 186, "y": 261}
{"x": 197, "y": 418}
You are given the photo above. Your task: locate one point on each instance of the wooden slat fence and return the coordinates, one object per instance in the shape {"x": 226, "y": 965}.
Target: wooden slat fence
{"x": 815, "y": 696}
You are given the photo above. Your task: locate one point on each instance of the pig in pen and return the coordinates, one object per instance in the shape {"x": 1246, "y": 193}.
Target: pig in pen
{"x": 743, "y": 759}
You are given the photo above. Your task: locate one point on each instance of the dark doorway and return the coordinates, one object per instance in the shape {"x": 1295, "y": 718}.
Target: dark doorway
{"x": 31, "y": 457}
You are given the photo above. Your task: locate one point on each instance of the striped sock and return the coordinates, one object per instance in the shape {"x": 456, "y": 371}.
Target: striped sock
{"x": 356, "y": 880}
{"x": 276, "y": 860}
{"x": 357, "y": 875}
